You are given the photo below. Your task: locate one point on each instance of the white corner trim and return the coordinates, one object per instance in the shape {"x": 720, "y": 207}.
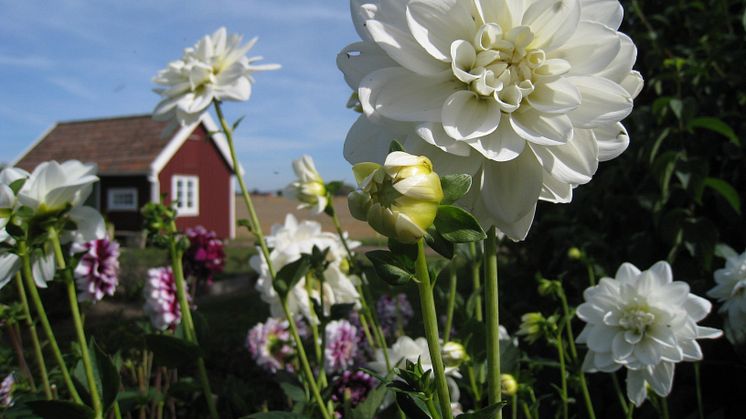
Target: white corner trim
{"x": 155, "y": 189}
{"x": 232, "y": 203}
{"x": 33, "y": 145}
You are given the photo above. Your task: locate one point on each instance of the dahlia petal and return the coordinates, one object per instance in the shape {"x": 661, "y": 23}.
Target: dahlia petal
{"x": 503, "y": 144}
{"x": 435, "y": 24}
{"x": 433, "y": 133}
{"x": 661, "y": 378}
{"x": 367, "y": 141}
{"x": 708, "y": 332}
{"x": 552, "y": 21}
{"x": 401, "y": 95}
{"x": 542, "y": 129}
{"x": 574, "y": 162}
{"x": 603, "y": 102}
{"x": 463, "y": 57}
{"x": 636, "y": 390}
{"x": 646, "y": 352}
{"x": 510, "y": 189}
{"x": 691, "y": 350}
{"x": 590, "y": 49}
{"x": 608, "y": 12}
{"x": 517, "y": 230}
{"x": 506, "y": 13}
{"x": 404, "y": 49}
{"x": 627, "y": 272}
{"x": 466, "y": 116}
{"x": 601, "y": 338}
{"x": 621, "y": 65}
{"x": 633, "y": 83}
{"x": 612, "y": 140}
{"x": 43, "y": 268}
{"x": 555, "y": 97}
{"x": 445, "y": 162}
{"x": 90, "y": 223}
{"x": 620, "y": 347}
{"x": 554, "y": 190}
{"x": 590, "y": 313}
{"x": 662, "y": 271}
{"x": 360, "y": 59}
{"x": 9, "y": 266}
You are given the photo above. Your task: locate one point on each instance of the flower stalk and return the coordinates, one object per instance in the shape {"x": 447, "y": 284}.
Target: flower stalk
{"x": 38, "y": 354}
{"x": 476, "y": 281}
{"x": 23, "y": 252}
{"x": 493, "y": 320}
{"x": 72, "y": 298}
{"x": 430, "y": 321}
{"x": 451, "y": 301}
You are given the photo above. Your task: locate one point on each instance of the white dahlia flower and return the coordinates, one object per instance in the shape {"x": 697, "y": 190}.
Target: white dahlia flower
{"x": 216, "y": 68}
{"x": 524, "y": 95}
{"x": 731, "y": 292}
{"x": 288, "y": 242}
{"x": 309, "y": 188}
{"x": 643, "y": 321}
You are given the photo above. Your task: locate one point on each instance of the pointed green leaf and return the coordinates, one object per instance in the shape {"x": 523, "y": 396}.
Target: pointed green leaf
{"x": 457, "y": 225}
{"x": 395, "y": 146}
{"x": 454, "y": 187}
{"x": 715, "y": 125}
{"x": 488, "y": 412}
{"x": 58, "y": 409}
{"x": 726, "y": 191}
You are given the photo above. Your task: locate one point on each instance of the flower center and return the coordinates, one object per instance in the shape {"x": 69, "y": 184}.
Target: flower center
{"x": 502, "y": 66}
{"x": 636, "y": 319}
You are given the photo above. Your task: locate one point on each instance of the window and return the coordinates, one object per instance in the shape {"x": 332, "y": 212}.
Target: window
{"x": 122, "y": 199}
{"x": 185, "y": 194}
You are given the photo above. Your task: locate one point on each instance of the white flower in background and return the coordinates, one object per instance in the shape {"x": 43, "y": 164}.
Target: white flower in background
{"x": 288, "y": 242}
{"x": 399, "y": 199}
{"x": 341, "y": 345}
{"x": 8, "y": 199}
{"x": 53, "y": 186}
{"x": 309, "y": 189}
{"x": 216, "y": 68}
{"x": 9, "y": 266}
{"x": 524, "y": 95}
{"x": 643, "y": 321}
{"x": 730, "y": 291}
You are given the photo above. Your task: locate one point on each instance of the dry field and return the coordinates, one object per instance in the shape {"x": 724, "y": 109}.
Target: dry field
{"x": 272, "y": 210}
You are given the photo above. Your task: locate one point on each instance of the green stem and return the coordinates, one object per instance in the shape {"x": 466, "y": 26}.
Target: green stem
{"x": 432, "y": 408}
{"x": 451, "y": 302}
{"x": 514, "y": 406}
{"x": 630, "y": 411}
{"x": 563, "y": 374}
{"x": 476, "y": 393}
{"x": 38, "y": 354}
{"x": 430, "y": 322}
{"x": 698, "y": 384}
{"x": 28, "y": 277}
{"x": 72, "y": 298}
{"x": 476, "y": 281}
{"x": 591, "y": 274}
{"x": 493, "y": 319}
{"x": 574, "y": 355}
{"x": 664, "y": 407}
{"x": 618, "y": 389}
{"x": 117, "y": 412}
{"x": 304, "y": 361}
{"x": 186, "y": 318}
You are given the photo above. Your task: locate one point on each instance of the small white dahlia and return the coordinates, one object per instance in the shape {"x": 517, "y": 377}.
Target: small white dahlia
{"x": 97, "y": 273}
{"x": 524, "y": 95}
{"x": 271, "y": 345}
{"x": 309, "y": 187}
{"x": 644, "y": 321}
{"x": 216, "y": 68}
{"x": 731, "y": 292}
{"x": 341, "y": 345}
{"x": 161, "y": 300}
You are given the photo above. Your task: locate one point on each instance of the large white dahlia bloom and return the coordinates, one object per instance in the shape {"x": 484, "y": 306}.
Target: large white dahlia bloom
{"x": 288, "y": 242}
{"x": 731, "y": 292}
{"x": 644, "y": 321}
{"x": 524, "y": 95}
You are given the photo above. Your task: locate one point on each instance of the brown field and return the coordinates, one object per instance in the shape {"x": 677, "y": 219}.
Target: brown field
{"x": 272, "y": 210}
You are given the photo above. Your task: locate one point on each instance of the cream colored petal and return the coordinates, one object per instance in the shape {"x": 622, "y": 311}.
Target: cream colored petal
{"x": 435, "y": 24}
{"x": 466, "y": 116}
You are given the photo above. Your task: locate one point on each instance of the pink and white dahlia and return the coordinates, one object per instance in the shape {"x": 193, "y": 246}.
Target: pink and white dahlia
{"x": 341, "y": 345}
{"x": 97, "y": 273}
{"x": 6, "y": 390}
{"x": 205, "y": 256}
{"x": 524, "y": 95}
{"x": 161, "y": 300}
{"x": 643, "y": 321}
{"x": 271, "y": 345}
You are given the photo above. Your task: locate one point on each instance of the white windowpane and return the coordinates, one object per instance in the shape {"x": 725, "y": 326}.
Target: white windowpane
{"x": 185, "y": 193}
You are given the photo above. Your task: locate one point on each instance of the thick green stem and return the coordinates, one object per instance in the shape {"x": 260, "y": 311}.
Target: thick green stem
{"x": 72, "y": 298}
{"x": 304, "y": 361}
{"x": 38, "y": 354}
{"x": 563, "y": 374}
{"x": 186, "y": 319}
{"x": 430, "y": 322}
{"x": 44, "y": 320}
{"x": 451, "y": 302}
{"x": 493, "y": 319}
{"x": 432, "y": 409}
{"x": 574, "y": 355}
{"x": 476, "y": 281}
{"x": 630, "y": 411}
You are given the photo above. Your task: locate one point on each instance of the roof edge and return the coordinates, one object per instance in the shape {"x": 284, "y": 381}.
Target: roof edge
{"x": 33, "y": 145}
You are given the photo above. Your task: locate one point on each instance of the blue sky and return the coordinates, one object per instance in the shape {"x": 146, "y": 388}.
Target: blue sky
{"x": 77, "y": 59}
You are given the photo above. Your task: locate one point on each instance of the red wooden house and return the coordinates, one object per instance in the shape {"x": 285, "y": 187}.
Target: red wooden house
{"x": 137, "y": 164}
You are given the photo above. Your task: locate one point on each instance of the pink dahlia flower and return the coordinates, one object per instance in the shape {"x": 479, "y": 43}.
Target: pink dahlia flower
{"x": 205, "y": 256}
{"x": 161, "y": 301}
{"x": 6, "y": 390}
{"x": 97, "y": 273}
{"x": 271, "y": 345}
{"x": 341, "y": 345}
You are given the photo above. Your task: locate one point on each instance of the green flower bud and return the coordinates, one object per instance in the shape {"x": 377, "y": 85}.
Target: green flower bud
{"x": 309, "y": 189}
{"x": 454, "y": 354}
{"x": 548, "y": 287}
{"x": 399, "y": 199}
{"x": 574, "y": 253}
{"x": 508, "y": 385}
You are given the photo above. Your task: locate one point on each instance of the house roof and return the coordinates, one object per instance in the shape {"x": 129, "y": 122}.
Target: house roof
{"x": 119, "y": 145}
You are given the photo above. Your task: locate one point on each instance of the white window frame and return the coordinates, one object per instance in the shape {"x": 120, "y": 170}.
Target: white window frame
{"x": 111, "y": 205}
{"x": 182, "y": 209}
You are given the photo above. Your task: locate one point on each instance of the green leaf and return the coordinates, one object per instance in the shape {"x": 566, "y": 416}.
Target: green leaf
{"x": 16, "y": 185}
{"x": 398, "y": 248}
{"x": 677, "y": 107}
{"x": 488, "y": 412}
{"x": 108, "y": 375}
{"x": 276, "y": 415}
{"x": 395, "y": 269}
{"x": 201, "y": 327}
{"x": 171, "y": 352}
{"x": 293, "y": 392}
{"x": 334, "y": 187}
{"x": 437, "y": 242}
{"x": 237, "y": 123}
{"x": 340, "y": 311}
{"x": 715, "y": 125}
{"x": 457, "y": 225}
{"x": 368, "y": 408}
{"x": 410, "y": 407}
{"x": 395, "y": 146}
{"x": 726, "y": 191}
{"x": 290, "y": 274}
{"x": 58, "y": 409}
{"x": 743, "y": 20}
{"x": 454, "y": 187}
